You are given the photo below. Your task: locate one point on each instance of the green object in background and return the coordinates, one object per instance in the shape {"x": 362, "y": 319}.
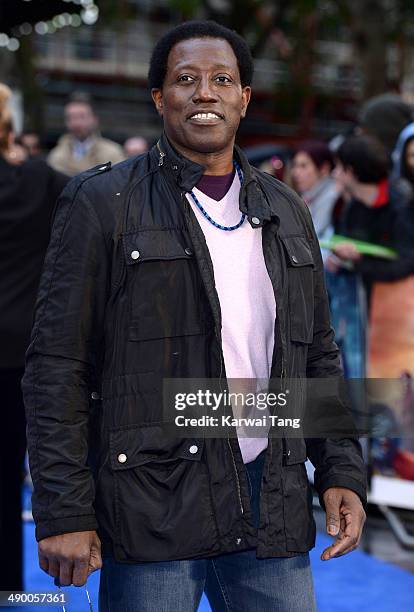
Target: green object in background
{"x": 365, "y": 248}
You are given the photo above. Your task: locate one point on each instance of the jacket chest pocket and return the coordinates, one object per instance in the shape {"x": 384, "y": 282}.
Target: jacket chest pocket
{"x": 164, "y": 285}
{"x": 300, "y": 269}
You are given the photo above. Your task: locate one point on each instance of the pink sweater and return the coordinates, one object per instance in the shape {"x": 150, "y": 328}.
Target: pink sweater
{"x": 246, "y": 296}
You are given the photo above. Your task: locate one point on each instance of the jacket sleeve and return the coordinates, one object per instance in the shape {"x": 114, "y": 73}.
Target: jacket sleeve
{"x": 61, "y": 364}
{"x": 338, "y": 462}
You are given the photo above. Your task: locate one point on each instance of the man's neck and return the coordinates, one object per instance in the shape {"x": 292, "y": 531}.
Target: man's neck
{"x": 85, "y": 139}
{"x": 216, "y": 164}
{"x": 366, "y": 193}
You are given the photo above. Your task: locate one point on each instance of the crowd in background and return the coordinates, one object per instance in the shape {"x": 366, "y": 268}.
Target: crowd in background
{"x": 358, "y": 186}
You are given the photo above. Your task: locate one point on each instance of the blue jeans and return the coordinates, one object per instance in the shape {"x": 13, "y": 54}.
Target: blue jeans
{"x": 233, "y": 582}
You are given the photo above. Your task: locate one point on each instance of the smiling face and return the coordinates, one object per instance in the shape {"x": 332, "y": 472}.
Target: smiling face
{"x": 202, "y": 100}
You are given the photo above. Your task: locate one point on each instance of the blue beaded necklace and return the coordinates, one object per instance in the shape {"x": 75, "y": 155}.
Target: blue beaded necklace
{"x": 207, "y": 216}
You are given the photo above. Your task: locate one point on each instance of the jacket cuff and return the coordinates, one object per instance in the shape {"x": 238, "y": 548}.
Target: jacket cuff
{"x": 46, "y": 529}
{"x": 347, "y": 482}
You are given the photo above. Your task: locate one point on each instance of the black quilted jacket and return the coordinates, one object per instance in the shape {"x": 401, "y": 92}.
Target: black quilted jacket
{"x": 127, "y": 298}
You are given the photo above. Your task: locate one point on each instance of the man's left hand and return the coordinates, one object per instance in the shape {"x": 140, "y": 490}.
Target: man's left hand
{"x": 345, "y": 518}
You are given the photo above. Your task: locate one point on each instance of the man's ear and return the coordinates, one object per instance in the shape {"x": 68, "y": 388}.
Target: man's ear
{"x": 246, "y": 93}
{"x": 157, "y": 97}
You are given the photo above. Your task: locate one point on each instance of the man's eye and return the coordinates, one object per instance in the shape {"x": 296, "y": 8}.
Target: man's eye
{"x": 186, "y": 78}
{"x": 222, "y": 78}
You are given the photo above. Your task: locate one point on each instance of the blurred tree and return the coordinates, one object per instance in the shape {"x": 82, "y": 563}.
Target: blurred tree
{"x": 29, "y": 82}
{"x": 289, "y": 29}
{"x": 293, "y": 29}
{"x": 368, "y": 29}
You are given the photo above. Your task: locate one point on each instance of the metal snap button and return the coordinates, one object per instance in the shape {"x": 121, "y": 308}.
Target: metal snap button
{"x": 295, "y": 259}
{"x": 256, "y": 220}
{"x": 238, "y": 541}
{"x": 188, "y": 251}
{"x": 135, "y": 254}
{"x": 193, "y": 449}
{"x": 122, "y": 458}
{"x": 95, "y": 395}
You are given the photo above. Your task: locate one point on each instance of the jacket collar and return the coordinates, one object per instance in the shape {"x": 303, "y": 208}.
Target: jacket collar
{"x": 187, "y": 173}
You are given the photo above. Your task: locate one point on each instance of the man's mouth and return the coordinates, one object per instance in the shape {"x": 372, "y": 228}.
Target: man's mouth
{"x": 205, "y": 117}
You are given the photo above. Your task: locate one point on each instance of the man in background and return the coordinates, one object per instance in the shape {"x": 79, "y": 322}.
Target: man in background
{"x": 378, "y": 210}
{"x": 82, "y": 147}
{"x": 30, "y": 141}
{"x": 28, "y": 191}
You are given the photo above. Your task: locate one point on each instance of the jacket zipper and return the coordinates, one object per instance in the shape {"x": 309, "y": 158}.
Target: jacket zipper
{"x": 228, "y": 437}
{"x": 218, "y": 336}
{"x": 237, "y": 477}
{"x": 162, "y": 155}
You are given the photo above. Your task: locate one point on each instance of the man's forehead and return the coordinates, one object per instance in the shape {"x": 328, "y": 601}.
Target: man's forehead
{"x": 77, "y": 107}
{"x": 192, "y": 51}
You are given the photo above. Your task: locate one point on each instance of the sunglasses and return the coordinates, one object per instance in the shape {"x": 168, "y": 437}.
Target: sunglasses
{"x": 59, "y": 586}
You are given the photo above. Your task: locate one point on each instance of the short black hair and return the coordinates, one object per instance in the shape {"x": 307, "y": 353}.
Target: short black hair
{"x": 366, "y": 156}
{"x": 198, "y": 29}
{"x": 81, "y": 97}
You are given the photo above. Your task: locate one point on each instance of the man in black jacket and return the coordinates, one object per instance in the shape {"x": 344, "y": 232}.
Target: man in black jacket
{"x": 379, "y": 209}
{"x": 132, "y": 293}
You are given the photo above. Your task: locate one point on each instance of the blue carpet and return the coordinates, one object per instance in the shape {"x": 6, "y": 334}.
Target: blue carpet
{"x": 346, "y": 584}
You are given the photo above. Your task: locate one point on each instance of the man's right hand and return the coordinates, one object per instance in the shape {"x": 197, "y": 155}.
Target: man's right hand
{"x": 347, "y": 250}
{"x": 71, "y": 557}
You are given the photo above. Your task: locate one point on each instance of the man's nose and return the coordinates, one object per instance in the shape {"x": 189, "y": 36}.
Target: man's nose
{"x": 204, "y": 91}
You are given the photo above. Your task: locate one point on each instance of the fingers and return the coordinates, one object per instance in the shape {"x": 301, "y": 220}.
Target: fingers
{"x": 346, "y": 250}
{"x": 95, "y": 560}
{"x": 349, "y": 535}
{"x": 70, "y": 557}
{"x": 43, "y": 562}
{"x": 66, "y": 569}
{"x": 333, "y": 522}
{"x": 80, "y": 571}
{"x": 54, "y": 569}
{"x": 333, "y": 519}
{"x": 344, "y": 543}
{"x": 89, "y": 562}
